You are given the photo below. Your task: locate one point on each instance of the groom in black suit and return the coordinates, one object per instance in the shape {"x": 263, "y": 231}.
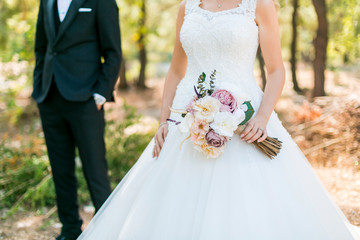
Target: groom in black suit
{"x": 78, "y": 58}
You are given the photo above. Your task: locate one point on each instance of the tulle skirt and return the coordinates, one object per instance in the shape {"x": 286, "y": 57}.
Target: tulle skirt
{"x": 242, "y": 195}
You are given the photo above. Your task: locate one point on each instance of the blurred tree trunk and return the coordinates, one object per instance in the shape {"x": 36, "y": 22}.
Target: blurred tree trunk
{"x": 320, "y": 45}
{"x": 123, "y": 81}
{"x": 262, "y": 67}
{"x": 4, "y": 10}
{"x": 142, "y": 46}
{"x": 293, "y": 59}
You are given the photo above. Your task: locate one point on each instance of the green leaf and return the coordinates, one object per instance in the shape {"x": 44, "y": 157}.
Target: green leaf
{"x": 203, "y": 76}
{"x": 249, "y": 112}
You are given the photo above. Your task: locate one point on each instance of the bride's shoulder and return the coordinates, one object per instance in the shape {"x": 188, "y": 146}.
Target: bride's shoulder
{"x": 183, "y": 4}
{"x": 182, "y": 11}
{"x": 265, "y": 8}
{"x": 265, "y": 13}
{"x": 263, "y": 4}
{"x": 186, "y": 5}
{"x": 182, "y": 7}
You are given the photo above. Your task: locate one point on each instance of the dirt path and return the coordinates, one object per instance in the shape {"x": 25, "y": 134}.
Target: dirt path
{"x": 32, "y": 226}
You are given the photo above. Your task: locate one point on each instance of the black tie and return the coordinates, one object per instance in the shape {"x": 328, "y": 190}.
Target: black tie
{"x": 57, "y": 18}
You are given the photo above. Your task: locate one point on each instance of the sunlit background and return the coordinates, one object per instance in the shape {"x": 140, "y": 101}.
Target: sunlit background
{"x": 323, "y": 120}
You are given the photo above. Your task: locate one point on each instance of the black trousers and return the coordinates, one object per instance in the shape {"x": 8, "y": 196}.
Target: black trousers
{"x": 67, "y": 125}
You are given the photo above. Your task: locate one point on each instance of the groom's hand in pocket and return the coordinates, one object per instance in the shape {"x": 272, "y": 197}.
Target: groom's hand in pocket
{"x": 99, "y": 100}
{"x": 160, "y": 139}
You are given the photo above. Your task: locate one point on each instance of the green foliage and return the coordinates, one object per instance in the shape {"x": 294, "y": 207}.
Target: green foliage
{"x": 202, "y": 90}
{"x": 123, "y": 149}
{"x": 17, "y": 29}
{"x": 344, "y": 27}
{"x": 13, "y": 80}
{"x": 13, "y": 111}
{"x": 24, "y": 172}
{"x": 344, "y": 30}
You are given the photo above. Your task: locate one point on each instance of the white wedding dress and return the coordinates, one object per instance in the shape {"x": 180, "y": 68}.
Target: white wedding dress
{"x": 242, "y": 195}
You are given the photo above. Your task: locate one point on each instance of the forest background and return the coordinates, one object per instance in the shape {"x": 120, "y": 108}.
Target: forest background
{"x": 320, "y": 105}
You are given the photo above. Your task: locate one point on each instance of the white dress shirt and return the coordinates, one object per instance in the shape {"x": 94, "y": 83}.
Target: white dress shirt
{"x": 63, "y": 7}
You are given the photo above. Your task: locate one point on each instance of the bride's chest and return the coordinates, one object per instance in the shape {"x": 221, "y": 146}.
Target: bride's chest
{"x": 223, "y": 31}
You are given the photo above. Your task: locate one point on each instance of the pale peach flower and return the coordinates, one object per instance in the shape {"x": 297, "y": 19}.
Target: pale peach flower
{"x": 209, "y": 151}
{"x": 206, "y": 108}
{"x": 200, "y": 127}
{"x": 198, "y": 139}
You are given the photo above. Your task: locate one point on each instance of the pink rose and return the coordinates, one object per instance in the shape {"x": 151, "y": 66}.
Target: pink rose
{"x": 214, "y": 139}
{"x": 227, "y": 100}
{"x": 189, "y": 107}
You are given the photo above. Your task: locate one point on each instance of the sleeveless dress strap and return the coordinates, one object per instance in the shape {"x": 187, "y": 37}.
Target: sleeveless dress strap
{"x": 190, "y": 4}
{"x": 249, "y": 7}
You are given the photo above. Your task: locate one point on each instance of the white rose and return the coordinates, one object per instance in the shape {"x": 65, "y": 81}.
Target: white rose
{"x": 243, "y": 107}
{"x": 206, "y": 108}
{"x": 225, "y": 123}
{"x": 186, "y": 123}
{"x": 239, "y": 114}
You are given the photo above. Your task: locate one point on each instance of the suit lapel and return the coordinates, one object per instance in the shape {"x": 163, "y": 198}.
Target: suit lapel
{"x": 50, "y": 13}
{"x": 70, "y": 16}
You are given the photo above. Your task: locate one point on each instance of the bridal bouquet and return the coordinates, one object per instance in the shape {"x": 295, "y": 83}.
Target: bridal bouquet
{"x": 215, "y": 114}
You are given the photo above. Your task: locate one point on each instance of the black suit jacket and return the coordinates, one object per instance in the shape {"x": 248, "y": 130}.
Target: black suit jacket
{"x": 84, "y": 56}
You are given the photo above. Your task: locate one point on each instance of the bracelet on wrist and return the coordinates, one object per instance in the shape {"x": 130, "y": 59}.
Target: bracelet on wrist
{"x": 162, "y": 123}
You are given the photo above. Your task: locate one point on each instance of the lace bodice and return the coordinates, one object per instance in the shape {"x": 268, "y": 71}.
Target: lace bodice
{"x": 217, "y": 39}
{"x": 226, "y": 41}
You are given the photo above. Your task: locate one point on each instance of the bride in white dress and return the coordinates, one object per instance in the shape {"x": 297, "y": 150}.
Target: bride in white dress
{"x": 175, "y": 193}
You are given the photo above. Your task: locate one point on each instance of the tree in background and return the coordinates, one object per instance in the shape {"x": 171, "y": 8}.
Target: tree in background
{"x": 320, "y": 45}
{"x": 123, "y": 81}
{"x": 293, "y": 60}
{"x": 145, "y": 35}
{"x": 142, "y": 45}
{"x": 262, "y": 67}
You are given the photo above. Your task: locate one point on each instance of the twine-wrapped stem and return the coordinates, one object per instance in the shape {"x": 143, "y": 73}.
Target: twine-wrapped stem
{"x": 270, "y": 146}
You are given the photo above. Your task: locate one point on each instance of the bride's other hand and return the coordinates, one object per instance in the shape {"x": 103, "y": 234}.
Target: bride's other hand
{"x": 160, "y": 139}
{"x": 255, "y": 130}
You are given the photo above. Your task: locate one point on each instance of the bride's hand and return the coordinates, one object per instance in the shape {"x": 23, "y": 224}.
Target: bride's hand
{"x": 160, "y": 139}
{"x": 255, "y": 130}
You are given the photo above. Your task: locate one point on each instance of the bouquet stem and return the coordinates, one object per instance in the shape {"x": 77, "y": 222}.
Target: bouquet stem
{"x": 270, "y": 146}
